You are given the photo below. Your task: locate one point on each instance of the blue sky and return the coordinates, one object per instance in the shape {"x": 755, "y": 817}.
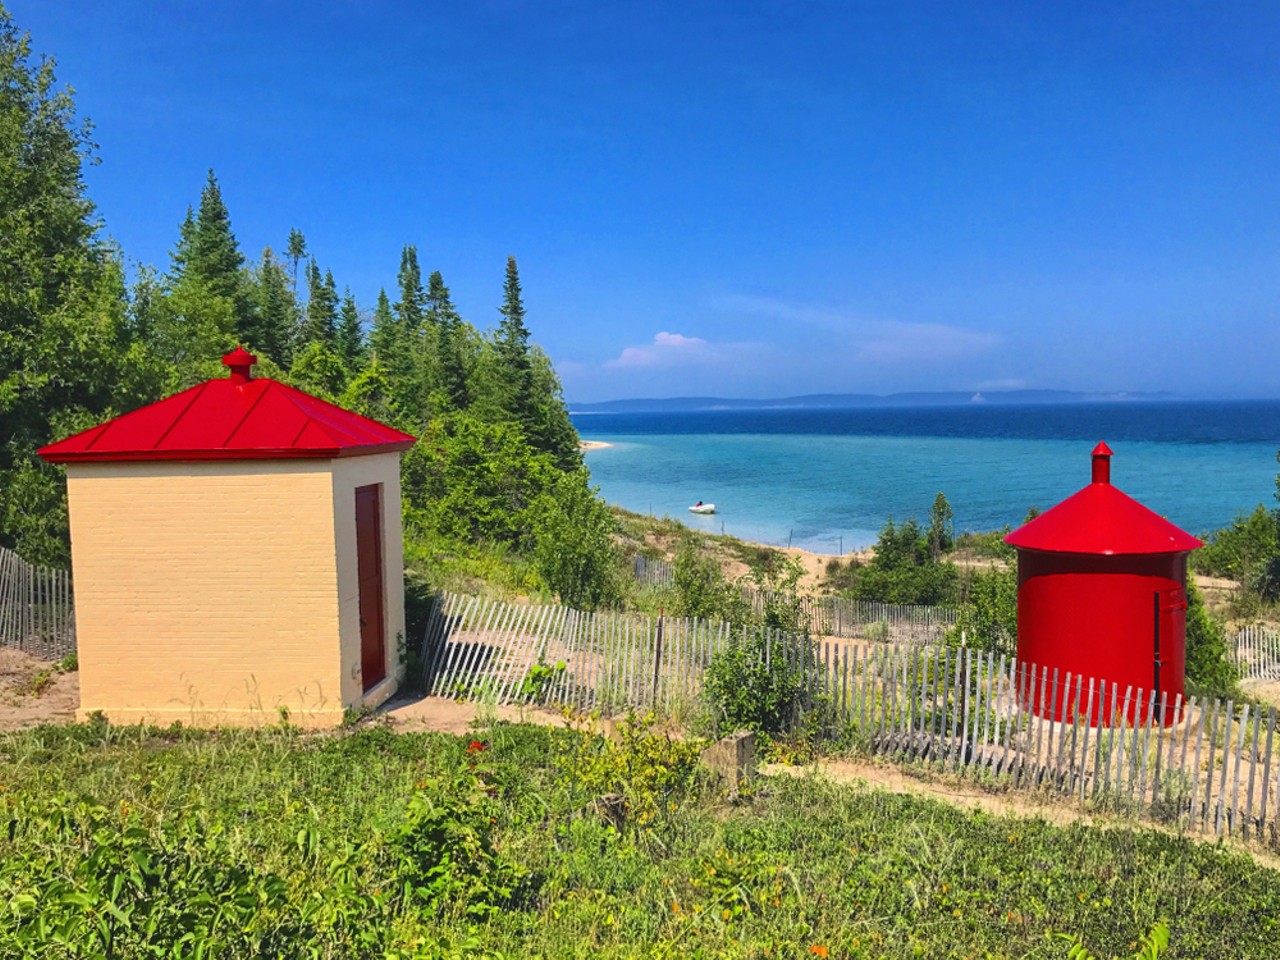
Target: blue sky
{"x": 742, "y": 199}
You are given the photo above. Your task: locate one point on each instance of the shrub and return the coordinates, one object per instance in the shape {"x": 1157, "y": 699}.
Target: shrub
{"x": 988, "y": 619}
{"x": 1241, "y": 551}
{"x": 649, "y": 771}
{"x": 574, "y": 552}
{"x": 757, "y": 682}
{"x": 1210, "y": 668}
{"x": 904, "y": 570}
{"x": 445, "y": 846}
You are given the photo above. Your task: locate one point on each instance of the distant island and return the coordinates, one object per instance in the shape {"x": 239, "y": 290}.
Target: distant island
{"x": 841, "y": 401}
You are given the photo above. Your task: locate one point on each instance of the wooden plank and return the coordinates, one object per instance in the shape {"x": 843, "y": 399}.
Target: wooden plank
{"x": 1025, "y": 680}
{"x": 1220, "y": 807}
{"x": 1210, "y": 734}
{"x": 1099, "y": 736}
{"x": 1072, "y": 768}
{"x": 1009, "y": 699}
{"x": 1118, "y": 754}
{"x": 1248, "y": 821}
{"x": 1233, "y": 814}
{"x": 963, "y": 756}
{"x": 1146, "y": 748}
{"x": 953, "y": 710}
{"x": 1266, "y": 773}
{"x": 1158, "y": 766}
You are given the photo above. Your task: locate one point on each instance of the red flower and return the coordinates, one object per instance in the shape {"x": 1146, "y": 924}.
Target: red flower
{"x": 475, "y": 746}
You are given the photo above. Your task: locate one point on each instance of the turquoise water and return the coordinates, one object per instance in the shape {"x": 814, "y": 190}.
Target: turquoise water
{"x": 829, "y": 483}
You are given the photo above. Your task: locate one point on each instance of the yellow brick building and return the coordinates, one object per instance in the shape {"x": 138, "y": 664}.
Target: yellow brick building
{"x": 236, "y": 552}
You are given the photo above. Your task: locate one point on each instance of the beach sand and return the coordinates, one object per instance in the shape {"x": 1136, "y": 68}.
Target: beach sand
{"x": 593, "y": 445}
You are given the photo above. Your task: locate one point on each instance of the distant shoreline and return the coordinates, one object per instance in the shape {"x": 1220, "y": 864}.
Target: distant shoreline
{"x": 593, "y": 445}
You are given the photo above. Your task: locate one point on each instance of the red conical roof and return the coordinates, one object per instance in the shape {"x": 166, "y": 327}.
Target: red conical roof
{"x": 1101, "y": 520}
{"x": 237, "y": 418}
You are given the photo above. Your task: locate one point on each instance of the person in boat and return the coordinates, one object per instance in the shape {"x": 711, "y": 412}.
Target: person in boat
{"x": 698, "y": 504}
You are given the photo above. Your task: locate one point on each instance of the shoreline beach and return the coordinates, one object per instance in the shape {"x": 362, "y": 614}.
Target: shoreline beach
{"x": 593, "y": 445}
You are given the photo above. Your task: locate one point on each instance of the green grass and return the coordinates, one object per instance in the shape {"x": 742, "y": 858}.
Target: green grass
{"x": 374, "y": 844}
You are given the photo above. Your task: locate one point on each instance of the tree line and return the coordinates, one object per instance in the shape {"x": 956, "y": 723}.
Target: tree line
{"x": 83, "y": 338}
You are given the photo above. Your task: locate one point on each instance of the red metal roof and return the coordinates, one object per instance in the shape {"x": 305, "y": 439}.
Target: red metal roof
{"x": 1102, "y": 520}
{"x": 237, "y": 418}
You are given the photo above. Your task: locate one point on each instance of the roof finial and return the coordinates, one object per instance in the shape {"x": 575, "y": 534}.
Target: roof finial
{"x": 240, "y": 361}
{"x": 1102, "y": 463}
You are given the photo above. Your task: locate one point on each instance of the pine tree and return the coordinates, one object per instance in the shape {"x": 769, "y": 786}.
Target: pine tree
{"x": 62, "y": 310}
{"x": 410, "y": 308}
{"x": 513, "y": 349}
{"x": 350, "y": 333}
{"x": 215, "y": 254}
{"x": 411, "y": 364}
{"x": 296, "y": 250}
{"x": 442, "y": 314}
{"x": 277, "y": 310}
{"x": 207, "y": 256}
{"x": 385, "y": 334}
{"x": 321, "y": 322}
{"x": 183, "y": 251}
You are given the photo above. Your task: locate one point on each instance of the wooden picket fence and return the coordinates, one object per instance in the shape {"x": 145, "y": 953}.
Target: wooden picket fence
{"x": 1258, "y": 653}
{"x": 515, "y": 653}
{"x": 1203, "y": 764}
{"x": 834, "y": 616}
{"x": 37, "y": 608}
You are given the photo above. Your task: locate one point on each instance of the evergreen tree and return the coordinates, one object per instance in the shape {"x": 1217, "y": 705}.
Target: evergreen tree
{"x": 184, "y": 250}
{"x": 277, "y": 310}
{"x": 321, "y": 323}
{"x": 350, "y": 333}
{"x": 411, "y": 307}
{"x": 62, "y": 306}
{"x": 410, "y": 363}
{"x": 215, "y": 254}
{"x": 439, "y": 303}
{"x": 208, "y": 256}
{"x": 385, "y": 334}
{"x": 296, "y": 250}
{"x": 513, "y": 349}
{"x": 442, "y": 314}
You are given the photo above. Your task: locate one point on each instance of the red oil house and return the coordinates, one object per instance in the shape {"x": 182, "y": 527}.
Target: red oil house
{"x": 1102, "y": 596}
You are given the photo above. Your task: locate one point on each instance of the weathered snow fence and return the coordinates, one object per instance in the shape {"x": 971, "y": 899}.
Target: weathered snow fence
{"x": 37, "y": 611}
{"x": 1210, "y": 769}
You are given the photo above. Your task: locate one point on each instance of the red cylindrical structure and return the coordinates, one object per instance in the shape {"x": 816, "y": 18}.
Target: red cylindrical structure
{"x": 1102, "y": 600}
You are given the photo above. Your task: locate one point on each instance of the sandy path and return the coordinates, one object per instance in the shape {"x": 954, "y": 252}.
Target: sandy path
{"x": 22, "y": 705}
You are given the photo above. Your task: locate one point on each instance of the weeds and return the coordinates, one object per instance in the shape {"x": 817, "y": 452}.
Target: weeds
{"x": 130, "y": 842}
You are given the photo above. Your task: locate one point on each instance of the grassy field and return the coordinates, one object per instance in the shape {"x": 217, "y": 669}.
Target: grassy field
{"x": 530, "y": 842}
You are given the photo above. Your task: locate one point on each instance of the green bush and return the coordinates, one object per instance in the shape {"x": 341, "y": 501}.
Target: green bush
{"x": 988, "y": 617}
{"x": 1211, "y": 670}
{"x": 904, "y": 570}
{"x": 574, "y": 552}
{"x": 757, "y": 682}
{"x": 1241, "y": 551}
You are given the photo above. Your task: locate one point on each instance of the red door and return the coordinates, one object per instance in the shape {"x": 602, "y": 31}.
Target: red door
{"x": 373, "y": 648}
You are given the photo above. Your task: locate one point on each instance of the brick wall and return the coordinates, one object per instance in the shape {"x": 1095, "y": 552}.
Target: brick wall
{"x": 208, "y": 592}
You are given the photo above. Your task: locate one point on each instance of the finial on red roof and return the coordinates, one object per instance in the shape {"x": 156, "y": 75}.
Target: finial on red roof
{"x": 1102, "y": 463}
{"x": 240, "y": 361}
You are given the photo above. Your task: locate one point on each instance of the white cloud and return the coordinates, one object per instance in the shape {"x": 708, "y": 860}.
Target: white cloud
{"x": 878, "y": 341}
{"x": 666, "y": 350}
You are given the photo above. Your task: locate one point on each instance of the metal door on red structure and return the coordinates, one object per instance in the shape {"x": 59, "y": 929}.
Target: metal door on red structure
{"x": 373, "y": 650}
{"x": 1170, "y": 609}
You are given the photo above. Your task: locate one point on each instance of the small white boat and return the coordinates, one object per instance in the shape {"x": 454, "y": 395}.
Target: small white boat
{"x": 703, "y": 508}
